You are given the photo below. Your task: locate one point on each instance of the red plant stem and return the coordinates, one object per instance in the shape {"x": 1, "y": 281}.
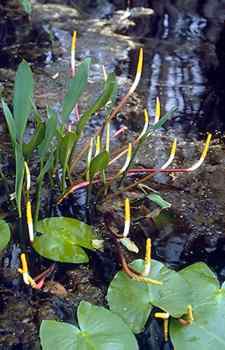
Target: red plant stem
{"x": 131, "y": 172}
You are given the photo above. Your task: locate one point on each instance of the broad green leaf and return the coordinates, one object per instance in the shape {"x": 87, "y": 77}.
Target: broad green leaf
{"x": 19, "y": 176}
{"x": 99, "y": 329}
{"x": 172, "y": 296}
{"x": 36, "y": 139}
{"x": 130, "y": 299}
{"x": 157, "y": 199}
{"x": 10, "y": 121}
{"x": 58, "y": 336}
{"x": 109, "y": 90}
{"x": 76, "y": 89}
{"x": 26, "y": 4}
{"x": 4, "y": 234}
{"x": 99, "y": 163}
{"x": 62, "y": 239}
{"x": 22, "y": 100}
{"x": 208, "y": 303}
{"x": 50, "y": 131}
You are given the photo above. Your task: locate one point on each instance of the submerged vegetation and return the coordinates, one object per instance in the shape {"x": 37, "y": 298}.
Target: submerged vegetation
{"x": 189, "y": 300}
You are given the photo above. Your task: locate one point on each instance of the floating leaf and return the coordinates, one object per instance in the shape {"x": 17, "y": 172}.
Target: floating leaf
{"x": 99, "y": 329}
{"x": 157, "y": 199}
{"x": 62, "y": 239}
{"x": 22, "y": 100}
{"x": 76, "y": 89}
{"x": 130, "y": 299}
{"x": 99, "y": 163}
{"x": 4, "y": 234}
{"x": 172, "y": 296}
{"x": 208, "y": 304}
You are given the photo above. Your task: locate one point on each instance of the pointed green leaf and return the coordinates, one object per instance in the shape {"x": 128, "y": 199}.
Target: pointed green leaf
{"x": 66, "y": 148}
{"x": 109, "y": 89}
{"x": 76, "y": 89}
{"x": 99, "y": 163}
{"x": 62, "y": 239}
{"x": 22, "y": 101}
{"x": 10, "y": 121}
{"x": 36, "y": 139}
{"x": 157, "y": 199}
{"x": 4, "y": 234}
{"x": 50, "y": 132}
{"x": 26, "y": 4}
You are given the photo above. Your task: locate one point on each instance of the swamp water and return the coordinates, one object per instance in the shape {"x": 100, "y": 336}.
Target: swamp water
{"x": 183, "y": 66}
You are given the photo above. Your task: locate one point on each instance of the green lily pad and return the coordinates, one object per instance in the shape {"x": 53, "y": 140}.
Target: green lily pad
{"x": 63, "y": 239}
{"x": 130, "y": 299}
{"x": 99, "y": 329}
{"x": 208, "y": 303}
{"x": 133, "y": 300}
{"x": 4, "y": 234}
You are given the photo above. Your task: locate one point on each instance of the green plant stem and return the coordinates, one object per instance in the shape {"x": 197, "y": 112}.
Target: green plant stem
{"x": 38, "y": 202}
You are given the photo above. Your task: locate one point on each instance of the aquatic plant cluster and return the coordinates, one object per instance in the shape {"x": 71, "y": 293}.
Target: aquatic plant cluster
{"x": 191, "y": 301}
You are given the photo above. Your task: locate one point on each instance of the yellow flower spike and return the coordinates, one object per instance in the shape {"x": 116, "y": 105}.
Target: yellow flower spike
{"x": 165, "y": 317}
{"x": 24, "y": 263}
{"x": 172, "y": 155}
{"x": 104, "y": 73}
{"x": 107, "y": 139}
{"x": 146, "y": 118}
{"x": 89, "y": 156}
{"x": 28, "y": 204}
{"x": 203, "y": 155}
{"x": 128, "y": 159}
{"x": 147, "y": 265}
{"x": 24, "y": 271}
{"x": 73, "y": 49}
{"x": 157, "y": 110}
{"x": 190, "y": 314}
{"x": 138, "y": 72}
{"x": 98, "y": 145}
{"x": 30, "y": 221}
{"x": 126, "y": 217}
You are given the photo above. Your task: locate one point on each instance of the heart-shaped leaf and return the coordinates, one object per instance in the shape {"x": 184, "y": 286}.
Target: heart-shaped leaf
{"x": 132, "y": 299}
{"x": 62, "y": 239}
{"x": 4, "y": 234}
{"x": 99, "y": 329}
{"x": 208, "y": 303}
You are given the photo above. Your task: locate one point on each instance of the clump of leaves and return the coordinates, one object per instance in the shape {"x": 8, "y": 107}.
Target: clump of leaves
{"x": 99, "y": 329}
